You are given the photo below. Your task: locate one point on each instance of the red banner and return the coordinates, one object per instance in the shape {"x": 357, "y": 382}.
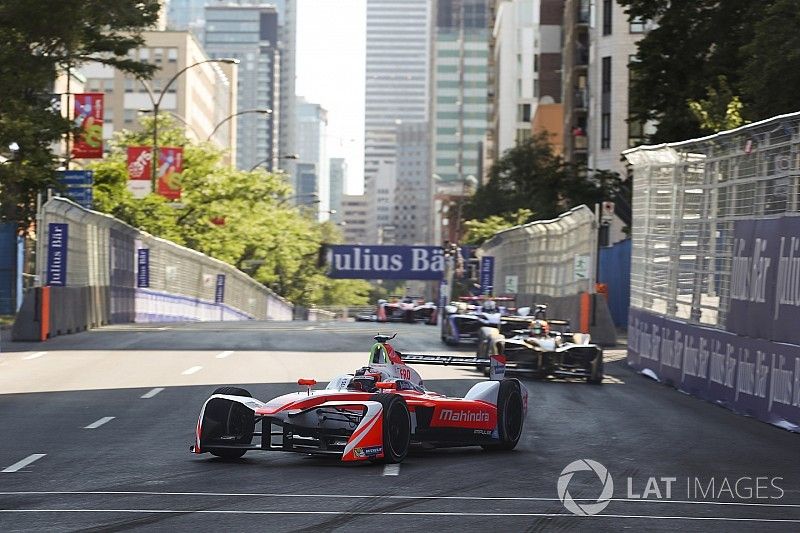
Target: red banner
{"x": 170, "y": 166}
{"x": 88, "y": 116}
{"x": 139, "y": 170}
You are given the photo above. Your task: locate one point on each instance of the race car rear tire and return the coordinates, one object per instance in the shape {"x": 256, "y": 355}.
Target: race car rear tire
{"x": 510, "y": 415}
{"x": 239, "y": 418}
{"x": 595, "y": 376}
{"x": 396, "y": 427}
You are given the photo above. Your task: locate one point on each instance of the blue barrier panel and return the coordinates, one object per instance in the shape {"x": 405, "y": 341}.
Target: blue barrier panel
{"x": 8, "y": 268}
{"x": 615, "y": 271}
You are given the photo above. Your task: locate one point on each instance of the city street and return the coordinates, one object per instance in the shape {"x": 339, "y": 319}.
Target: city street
{"x": 97, "y": 428}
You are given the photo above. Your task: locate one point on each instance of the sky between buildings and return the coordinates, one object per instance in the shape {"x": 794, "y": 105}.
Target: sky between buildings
{"x": 331, "y": 56}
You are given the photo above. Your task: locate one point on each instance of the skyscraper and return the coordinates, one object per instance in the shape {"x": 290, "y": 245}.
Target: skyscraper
{"x": 413, "y": 184}
{"x": 338, "y": 180}
{"x": 190, "y": 15}
{"x": 397, "y": 80}
{"x": 460, "y": 109}
{"x": 311, "y": 124}
{"x": 250, "y": 34}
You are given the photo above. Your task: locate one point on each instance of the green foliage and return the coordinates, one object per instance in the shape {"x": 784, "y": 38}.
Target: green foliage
{"x": 39, "y": 39}
{"x": 677, "y": 77}
{"x": 531, "y": 176}
{"x": 722, "y": 110}
{"x": 242, "y": 218}
{"x": 479, "y": 231}
{"x": 772, "y": 61}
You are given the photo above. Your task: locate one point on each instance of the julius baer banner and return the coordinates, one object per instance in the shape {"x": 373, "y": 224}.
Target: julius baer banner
{"x": 754, "y": 366}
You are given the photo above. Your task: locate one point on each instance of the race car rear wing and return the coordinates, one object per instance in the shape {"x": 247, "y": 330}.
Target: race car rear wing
{"x": 496, "y": 363}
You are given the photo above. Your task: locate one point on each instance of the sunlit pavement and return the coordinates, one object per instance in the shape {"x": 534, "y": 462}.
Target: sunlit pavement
{"x": 96, "y": 428}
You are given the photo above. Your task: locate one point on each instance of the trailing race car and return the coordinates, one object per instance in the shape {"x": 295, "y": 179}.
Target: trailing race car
{"x": 406, "y": 309}
{"x": 463, "y": 320}
{"x": 376, "y": 413}
{"x": 545, "y": 348}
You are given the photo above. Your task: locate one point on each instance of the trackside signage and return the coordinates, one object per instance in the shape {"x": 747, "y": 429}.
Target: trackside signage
{"x": 385, "y": 262}
{"x": 755, "y": 377}
{"x": 765, "y": 279}
{"x": 57, "y": 239}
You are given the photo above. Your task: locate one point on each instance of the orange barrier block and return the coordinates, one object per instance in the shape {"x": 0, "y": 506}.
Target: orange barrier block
{"x": 44, "y": 319}
{"x": 586, "y": 304}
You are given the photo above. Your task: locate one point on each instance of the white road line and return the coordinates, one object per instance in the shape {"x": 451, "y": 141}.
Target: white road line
{"x": 34, "y": 355}
{"x": 152, "y": 392}
{"x": 25, "y": 462}
{"x": 192, "y": 370}
{"x": 391, "y": 470}
{"x": 401, "y": 513}
{"x": 224, "y": 354}
{"x": 96, "y": 424}
{"x": 382, "y": 497}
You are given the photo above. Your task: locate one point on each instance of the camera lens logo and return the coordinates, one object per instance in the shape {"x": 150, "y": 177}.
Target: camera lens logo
{"x": 585, "y": 509}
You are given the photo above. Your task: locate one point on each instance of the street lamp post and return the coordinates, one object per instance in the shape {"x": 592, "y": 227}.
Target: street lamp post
{"x": 264, "y": 111}
{"x": 268, "y": 159}
{"x": 156, "y": 102}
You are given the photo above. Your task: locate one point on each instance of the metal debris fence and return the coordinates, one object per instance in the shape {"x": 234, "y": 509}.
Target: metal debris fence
{"x": 182, "y": 284}
{"x": 548, "y": 257}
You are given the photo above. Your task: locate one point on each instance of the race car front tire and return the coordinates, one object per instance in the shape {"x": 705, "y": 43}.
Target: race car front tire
{"x": 396, "y": 427}
{"x": 510, "y": 415}
{"x": 595, "y": 376}
{"x": 239, "y": 419}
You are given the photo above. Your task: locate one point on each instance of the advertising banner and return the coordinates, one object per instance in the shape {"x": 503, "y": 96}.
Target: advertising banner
{"x": 139, "y": 170}
{"x": 385, "y": 262}
{"x": 487, "y": 274}
{"x": 57, "y": 240}
{"x": 88, "y": 117}
{"x": 754, "y": 377}
{"x": 170, "y": 166}
{"x": 219, "y": 291}
{"x": 765, "y": 279}
{"x": 143, "y": 268}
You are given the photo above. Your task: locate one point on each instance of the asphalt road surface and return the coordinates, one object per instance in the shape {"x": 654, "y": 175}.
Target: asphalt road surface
{"x": 95, "y": 429}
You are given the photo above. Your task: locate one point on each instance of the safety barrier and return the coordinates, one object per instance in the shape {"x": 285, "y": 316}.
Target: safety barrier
{"x": 553, "y": 262}
{"x": 101, "y": 270}
{"x": 715, "y": 267}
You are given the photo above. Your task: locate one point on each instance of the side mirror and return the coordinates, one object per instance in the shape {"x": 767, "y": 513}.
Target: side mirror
{"x": 450, "y": 309}
{"x": 524, "y": 311}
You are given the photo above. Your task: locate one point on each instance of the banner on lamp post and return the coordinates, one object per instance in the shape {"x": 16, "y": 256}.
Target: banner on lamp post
{"x": 139, "y": 170}
{"x": 170, "y": 166}
{"x": 88, "y": 117}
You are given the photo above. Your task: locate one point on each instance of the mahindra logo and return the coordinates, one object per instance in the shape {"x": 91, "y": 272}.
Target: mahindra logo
{"x": 463, "y": 416}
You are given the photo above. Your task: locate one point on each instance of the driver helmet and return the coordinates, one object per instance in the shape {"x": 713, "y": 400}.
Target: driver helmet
{"x": 540, "y": 328}
{"x": 364, "y": 381}
{"x": 489, "y": 306}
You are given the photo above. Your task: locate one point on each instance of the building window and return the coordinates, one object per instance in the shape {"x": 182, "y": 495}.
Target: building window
{"x": 524, "y": 113}
{"x": 128, "y": 85}
{"x": 605, "y": 131}
{"x": 605, "y": 103}
{"x": 172, "y": 55}
{"x": 608, "y": 12}
{"x": 638, "y": 25}
{"x": 536, "y": 63}
{"x": 605, "y": 83}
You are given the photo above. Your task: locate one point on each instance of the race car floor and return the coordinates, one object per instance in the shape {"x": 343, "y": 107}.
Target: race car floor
{"x": 95, "y": 430}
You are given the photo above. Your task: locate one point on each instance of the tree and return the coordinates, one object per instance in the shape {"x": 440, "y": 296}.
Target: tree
{"x": 772, "y": 61}
{"x": 37, "y": 41}
{"x": 479, "y": 231}
{"x": 532, "y": 176}
{"x": 710, "y": 65}
{"x": 242, "y": 218}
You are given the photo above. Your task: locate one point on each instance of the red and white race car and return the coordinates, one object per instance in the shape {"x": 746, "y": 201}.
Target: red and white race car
{"x": 376, "y": 413}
